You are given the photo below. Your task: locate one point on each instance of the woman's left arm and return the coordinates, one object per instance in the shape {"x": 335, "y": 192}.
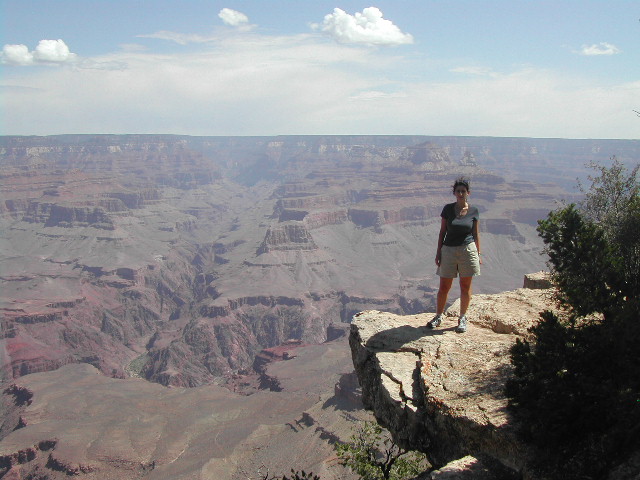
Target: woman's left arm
{"x": 476, "y": 237}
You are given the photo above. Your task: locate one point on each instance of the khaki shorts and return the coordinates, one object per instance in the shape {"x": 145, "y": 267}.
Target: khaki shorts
{"x": 463, "y": 260}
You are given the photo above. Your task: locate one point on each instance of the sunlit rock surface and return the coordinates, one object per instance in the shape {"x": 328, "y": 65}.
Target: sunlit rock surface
{"x": 441, "y": 392}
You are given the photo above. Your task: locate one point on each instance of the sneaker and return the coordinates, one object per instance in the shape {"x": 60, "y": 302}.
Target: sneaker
{"x": 435, "y": 322}
{"x": 462, "y": 324}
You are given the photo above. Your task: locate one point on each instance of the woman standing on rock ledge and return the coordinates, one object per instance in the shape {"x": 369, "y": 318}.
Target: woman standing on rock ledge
{"x": 458, "y": 252}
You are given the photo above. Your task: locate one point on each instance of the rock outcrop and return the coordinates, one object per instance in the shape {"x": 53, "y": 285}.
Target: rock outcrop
{"x": 289, "y": 236}
{"x": 441, "y": 392}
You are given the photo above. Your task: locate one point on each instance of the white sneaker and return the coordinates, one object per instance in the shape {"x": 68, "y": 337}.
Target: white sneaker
{"x": 462, "y": 324}
{"x": 435, "y": 322}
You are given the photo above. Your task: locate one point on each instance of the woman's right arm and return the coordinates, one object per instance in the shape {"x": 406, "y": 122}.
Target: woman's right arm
{"x": 443, "y": 231}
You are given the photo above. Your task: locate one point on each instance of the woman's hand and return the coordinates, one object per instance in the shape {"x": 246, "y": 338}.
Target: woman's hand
{"x": 438, "y": 258}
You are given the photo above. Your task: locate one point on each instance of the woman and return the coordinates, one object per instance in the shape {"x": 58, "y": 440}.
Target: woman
{"x": 458, "y": 252}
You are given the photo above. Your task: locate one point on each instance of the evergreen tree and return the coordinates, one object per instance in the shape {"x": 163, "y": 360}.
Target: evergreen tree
{"x": 577, "y": 383}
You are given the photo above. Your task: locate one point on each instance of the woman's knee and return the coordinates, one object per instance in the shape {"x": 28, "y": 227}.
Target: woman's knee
{"x": 445, "y": 284}
{"x": 465, "y": 284}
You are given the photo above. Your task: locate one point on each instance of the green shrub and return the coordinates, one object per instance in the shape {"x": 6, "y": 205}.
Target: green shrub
{"x": 295, "y": 475}
{"x": 372, "y": 454}
{"x": 301, "y": 475}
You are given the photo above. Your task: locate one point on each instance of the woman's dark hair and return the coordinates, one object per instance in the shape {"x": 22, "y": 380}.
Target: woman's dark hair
{"x": 461, "y": 181}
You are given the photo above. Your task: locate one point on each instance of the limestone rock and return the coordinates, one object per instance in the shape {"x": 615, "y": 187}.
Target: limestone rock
{"x": 440, "y": 392}
{"x": 537, "y": 280}
{"x": 508, "y": 312}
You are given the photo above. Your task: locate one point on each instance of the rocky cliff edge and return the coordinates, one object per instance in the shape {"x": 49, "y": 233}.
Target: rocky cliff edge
{"x": 441, "y": 392}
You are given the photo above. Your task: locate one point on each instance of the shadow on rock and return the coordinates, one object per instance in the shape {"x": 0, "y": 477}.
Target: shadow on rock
{"x": 395, "y": 339}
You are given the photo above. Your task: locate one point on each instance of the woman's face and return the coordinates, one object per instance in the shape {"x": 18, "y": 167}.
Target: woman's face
{"x": 461, "y": 192}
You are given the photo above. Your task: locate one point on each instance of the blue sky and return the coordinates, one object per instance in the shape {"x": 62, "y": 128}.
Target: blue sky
{"x": 532, "y": 68}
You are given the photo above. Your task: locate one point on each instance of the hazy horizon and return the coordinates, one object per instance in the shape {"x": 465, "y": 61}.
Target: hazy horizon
{"x": 152, "y": 134}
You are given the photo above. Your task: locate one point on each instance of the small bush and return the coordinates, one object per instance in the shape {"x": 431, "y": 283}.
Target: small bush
{"x": 295, "y": 475}
{"x": 372, "y": 454}
{"x": 301, "y": 475}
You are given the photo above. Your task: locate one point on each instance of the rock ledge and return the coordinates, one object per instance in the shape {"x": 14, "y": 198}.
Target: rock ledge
{"x": 440, "y": 392}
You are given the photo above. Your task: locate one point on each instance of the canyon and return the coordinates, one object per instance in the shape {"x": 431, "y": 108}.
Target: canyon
{"x": 200, "y": 263}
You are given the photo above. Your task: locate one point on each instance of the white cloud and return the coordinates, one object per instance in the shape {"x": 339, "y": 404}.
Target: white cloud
{"x": 477, "y": 71}
{"x": 230, "y": 17}
{"x": 133, "y": 47}
{"x": 179, "y": 38}
{"x": 91, "y": 64}
{"x": 269, "y": 85}
{"x": 233, "y": 17}
{"x": 602, "y": 48}
{"x": 54, "y": 51}
{"x": 524, "y": 103}
{"x": 376, "y": 95}
{"x": 233, "y": 86}
{"x": 367, "y": 28}
{"x": 47, "y": 52}
{"x": 17, "y": 55}
{"x": 17, "y": 89}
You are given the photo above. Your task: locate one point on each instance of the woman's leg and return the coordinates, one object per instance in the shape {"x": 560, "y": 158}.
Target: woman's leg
{"x": 443, "y": 294}
{"x": 465, "y": 294}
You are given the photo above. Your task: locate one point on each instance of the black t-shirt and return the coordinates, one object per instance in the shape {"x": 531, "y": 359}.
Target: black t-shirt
{"x": 459, "y": 230}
